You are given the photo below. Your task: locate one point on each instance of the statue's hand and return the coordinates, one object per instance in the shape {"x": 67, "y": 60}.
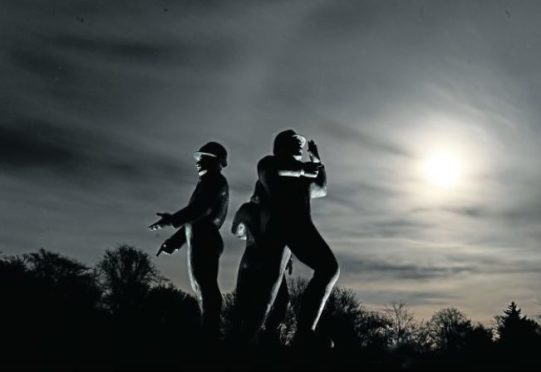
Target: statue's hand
{"x": 165, "y": 220}
{"x": 241, "y": 231}
{"x": 313, "y": 150}
{"x": 166, "y": 248}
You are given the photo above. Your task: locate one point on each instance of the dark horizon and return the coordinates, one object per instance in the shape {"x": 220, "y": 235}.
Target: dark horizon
{"x": 104, "y": 103}
{"x": 120, "y": 314}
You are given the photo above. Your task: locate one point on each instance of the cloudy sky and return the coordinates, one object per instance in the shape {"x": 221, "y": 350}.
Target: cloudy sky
{"x": 103, "y": 103}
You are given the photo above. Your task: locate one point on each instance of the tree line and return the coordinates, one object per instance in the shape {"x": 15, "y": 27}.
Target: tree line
{"x": 58, "y": 313}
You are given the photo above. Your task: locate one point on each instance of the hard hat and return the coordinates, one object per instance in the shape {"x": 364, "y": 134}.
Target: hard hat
{"x": 213, "y": 149}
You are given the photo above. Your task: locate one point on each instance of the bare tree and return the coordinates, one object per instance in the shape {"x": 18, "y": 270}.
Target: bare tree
{"x": 402, "y": 326}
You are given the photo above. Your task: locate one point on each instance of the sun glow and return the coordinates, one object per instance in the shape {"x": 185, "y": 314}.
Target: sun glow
{"x": 442, "y": 169}
{"x": 451, "y": 158}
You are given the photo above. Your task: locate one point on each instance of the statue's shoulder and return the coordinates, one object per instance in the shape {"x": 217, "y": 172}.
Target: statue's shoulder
{"x": 266, "y": 162}
{"x": 247, "y": 212}
{"x": 214, "y": 183}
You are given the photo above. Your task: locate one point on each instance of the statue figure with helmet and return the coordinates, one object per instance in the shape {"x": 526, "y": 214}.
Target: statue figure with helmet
{"x": 199, "y": 224}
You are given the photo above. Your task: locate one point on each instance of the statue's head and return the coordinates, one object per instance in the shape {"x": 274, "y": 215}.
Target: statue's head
{"x": 210, "y": 156}
{"x": 288, "y": 143}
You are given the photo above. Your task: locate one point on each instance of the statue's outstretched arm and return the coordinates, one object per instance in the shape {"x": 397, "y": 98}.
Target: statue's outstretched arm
{"x": 300, "y": 169}
{"x": 290, "y": 169}
{"x": 205, "y": 196}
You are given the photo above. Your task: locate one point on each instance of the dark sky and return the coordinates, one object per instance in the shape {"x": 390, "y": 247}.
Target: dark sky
{"x": 103, "y": 103}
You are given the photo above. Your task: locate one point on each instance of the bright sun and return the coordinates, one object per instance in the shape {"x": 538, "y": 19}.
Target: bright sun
{"x": 442, "y": 169}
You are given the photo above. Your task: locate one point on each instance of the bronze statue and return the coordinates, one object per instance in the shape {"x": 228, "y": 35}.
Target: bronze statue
{"x": 199, "y": 223}
{"x": 290, "y": 184}
{"x": 261, "y": 291}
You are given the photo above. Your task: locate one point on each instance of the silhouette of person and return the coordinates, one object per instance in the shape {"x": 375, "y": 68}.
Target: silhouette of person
{"x": 261, "y": 291}
{"x": 201, "y": 220}
{"x": 290, "y": 184}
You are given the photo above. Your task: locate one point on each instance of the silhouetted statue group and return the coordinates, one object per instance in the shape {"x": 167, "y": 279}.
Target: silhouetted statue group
{"x": 275, "y": 223}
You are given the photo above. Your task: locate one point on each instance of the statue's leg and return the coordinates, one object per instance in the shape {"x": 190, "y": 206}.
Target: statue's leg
{"x": 248, "y": 295}
{"x": 309, "y": 247}
{"x": 275, "y": 266}
{"x": 259, "y": 286}
{"x": 242, "y": 287}
{"x": 204, "y": 255}
{"x": 278, "y": 313}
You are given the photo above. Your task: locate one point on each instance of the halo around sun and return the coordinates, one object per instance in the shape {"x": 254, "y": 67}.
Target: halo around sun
{"x": 441, "y": 169}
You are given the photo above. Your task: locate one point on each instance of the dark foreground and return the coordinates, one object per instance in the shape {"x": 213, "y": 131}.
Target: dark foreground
{"x": 247, "y": 359}
{"x": 57, "y": 314}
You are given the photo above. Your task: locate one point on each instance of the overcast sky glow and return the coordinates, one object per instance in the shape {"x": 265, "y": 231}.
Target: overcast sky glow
{"x": 104, "y": 102}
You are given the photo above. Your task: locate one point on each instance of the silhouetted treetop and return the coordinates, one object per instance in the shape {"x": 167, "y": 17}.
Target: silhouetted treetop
{"x": 126, "y": 275}
{"x": 516, "y": 329}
